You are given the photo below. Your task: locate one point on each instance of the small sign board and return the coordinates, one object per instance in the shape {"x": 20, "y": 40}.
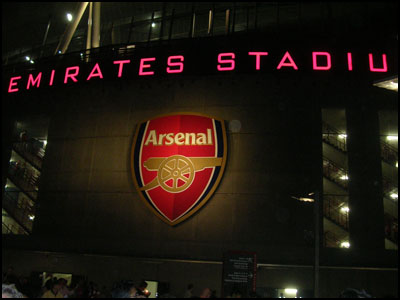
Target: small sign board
{"x": 239, "y": 274}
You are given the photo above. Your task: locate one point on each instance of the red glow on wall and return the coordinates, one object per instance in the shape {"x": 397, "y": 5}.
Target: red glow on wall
{"x": 121, "y": 65}
{"x": 258, "y": 58}
{"x": 371, "y": 64}
{"x": 291, "y": 62}
{"x": 175, "y": 64}
{"x": 221, "y": 60}
{"x": 315, "y": 62}
{"x": 69, "y": 75}
{"x": 145, "y": 66}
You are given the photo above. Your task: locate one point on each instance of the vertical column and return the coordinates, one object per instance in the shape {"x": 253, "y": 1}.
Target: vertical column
{"x": 365, "y": 176}
{"x": 70, "y": 30}
{"x": 96, "y": 25}
{"x": 89, "y": 31}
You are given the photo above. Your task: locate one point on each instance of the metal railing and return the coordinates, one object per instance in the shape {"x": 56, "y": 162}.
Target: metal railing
{"x": 391, "y": 228}
{"x": 31, "y": 152}
{"x": 336, "y": 210}
{"x": 19, "y": 209}
{"x": 24, "y": 178}
{"x": 389, "y": 153}
{"x": 212, "y": 20}
{"x": 333, "y": 137}
{"x": 330, "y": 240}
{"x": 335, "y": 173}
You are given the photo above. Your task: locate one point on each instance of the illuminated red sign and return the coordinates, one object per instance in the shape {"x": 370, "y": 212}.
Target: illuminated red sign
{"x": 175, "y": 64}
{"x": 177, "y": 162}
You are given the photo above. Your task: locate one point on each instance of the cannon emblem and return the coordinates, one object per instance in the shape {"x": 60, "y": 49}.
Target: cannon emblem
{"x": 177, "y": 162}
{"x": 176, "y": 173}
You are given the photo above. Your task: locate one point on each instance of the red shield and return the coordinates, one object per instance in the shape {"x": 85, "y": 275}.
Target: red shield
{"x": 177, "y": 162}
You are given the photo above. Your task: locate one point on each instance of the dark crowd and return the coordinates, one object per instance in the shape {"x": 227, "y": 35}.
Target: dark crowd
{"x": 14, "y": 286}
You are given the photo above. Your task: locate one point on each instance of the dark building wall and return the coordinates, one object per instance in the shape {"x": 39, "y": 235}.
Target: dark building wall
{"x": 88, "y": 204}
{"x": 87, "y": 192}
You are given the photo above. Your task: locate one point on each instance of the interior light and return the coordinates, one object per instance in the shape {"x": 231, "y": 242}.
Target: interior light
{"x": 345, "y": 209}
{"x": 69, "y": 17}
{"x": 397, "y": 164}
{"x": 45, "y": 143}
{"x": 345, "y": 244}
{"x": 153, "y": 24}
{"x": 392, "y": 137}
{"x": 291, "y": 291}
{"x": 32, "y": 62}
{"x": 342, "y": 136}
{"x": 394, "y": 196}
{"x": 344, "y": 177}
{"x": 27, "y": 58}
{"x": 31, "y": 217}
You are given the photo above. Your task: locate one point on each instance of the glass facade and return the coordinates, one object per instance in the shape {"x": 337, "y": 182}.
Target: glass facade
{"x": 128, "y": 23}
{"x": 389, "y": 154}
{"x": 23, "y": 176}
{"x": 335, "y": 180}
{"x": 336, "y": 176}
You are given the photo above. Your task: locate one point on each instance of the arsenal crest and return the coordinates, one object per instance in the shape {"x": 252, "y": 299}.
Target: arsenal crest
{"x": 177, "y": 162}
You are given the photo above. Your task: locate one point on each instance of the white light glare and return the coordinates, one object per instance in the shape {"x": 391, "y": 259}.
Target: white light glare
{"x": 397, "y": 164}
{"x": 153, "y": 24}
{"x": 31, "y": 217}
{"x": 392, "y": 137}
{"x": 345, "y": 245}
{"x": 69, "y": 17}
{"x": 345, "y": 209}
{"x": 343, "y": 136}
{"x": 344, "y": 177}
{"x": 291, "y": 291}
{"x": 394, "y": 196}
{"x": 27, "y": 58}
